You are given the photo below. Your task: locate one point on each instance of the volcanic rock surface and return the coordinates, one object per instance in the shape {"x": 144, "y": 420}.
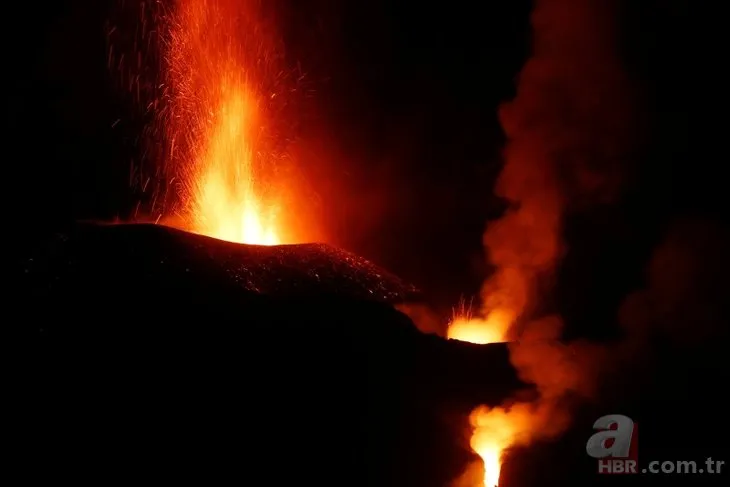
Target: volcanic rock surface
{"x": 162, "y": 254}
{"x": 171, "y": 356}
{"x": 164, "y": 357}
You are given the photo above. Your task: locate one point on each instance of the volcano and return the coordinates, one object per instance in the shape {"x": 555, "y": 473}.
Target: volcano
{"x": 164, "y": 354}
{"x": 175, "y": 261}
{"x": 169, "y": 356}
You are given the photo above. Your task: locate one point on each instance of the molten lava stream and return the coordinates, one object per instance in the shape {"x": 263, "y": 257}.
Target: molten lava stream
{"x": 492, "y": 428}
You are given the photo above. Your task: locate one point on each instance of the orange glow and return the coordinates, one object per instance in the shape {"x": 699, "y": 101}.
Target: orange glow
{"x": 492, "y": 329}
{"x": 497, "y": 429}
{"x": 223, "y": 90}
{"x": 492, "y": 434}
{"x": 226, "y": 203}
{"x": 563, "y": 152}
{"x": 494, "y": 430}
{"x": 489, "y": 445}
{"x": 539, "y": 359}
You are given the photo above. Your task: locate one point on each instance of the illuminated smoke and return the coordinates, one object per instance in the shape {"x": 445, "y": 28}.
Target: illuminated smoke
{"x": 568, "y": 132}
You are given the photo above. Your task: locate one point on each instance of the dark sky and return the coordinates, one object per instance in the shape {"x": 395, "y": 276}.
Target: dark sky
{"x": 406, "y": 97}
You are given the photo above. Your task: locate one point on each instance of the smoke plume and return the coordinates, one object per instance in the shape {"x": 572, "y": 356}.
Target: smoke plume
{"x": 569, "y": 133}
{"x": 568, "y": 136}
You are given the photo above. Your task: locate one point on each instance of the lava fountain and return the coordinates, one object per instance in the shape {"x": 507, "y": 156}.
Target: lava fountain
{"x": 223, "y": 86}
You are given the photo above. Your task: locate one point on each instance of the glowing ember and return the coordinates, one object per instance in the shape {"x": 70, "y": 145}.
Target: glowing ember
{"x": 222, "y": 86}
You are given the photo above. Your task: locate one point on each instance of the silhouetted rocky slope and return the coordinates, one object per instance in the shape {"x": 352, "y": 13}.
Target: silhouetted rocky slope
{"x": 165, "y": 355}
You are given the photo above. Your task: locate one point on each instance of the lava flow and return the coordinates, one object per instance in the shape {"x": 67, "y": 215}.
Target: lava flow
{"x": 223, "y": 89}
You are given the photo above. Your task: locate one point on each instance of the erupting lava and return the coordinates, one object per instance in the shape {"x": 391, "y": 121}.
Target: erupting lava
{"x": 494, "y": 430}
{"x": 222, "y": 87}
{"x": 492, "y": 329}
{"x": 491, "y": 436}
{"x": 226, "y": 203}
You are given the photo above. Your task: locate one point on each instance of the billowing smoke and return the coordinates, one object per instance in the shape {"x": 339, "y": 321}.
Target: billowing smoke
{"x": 569, "y": 134}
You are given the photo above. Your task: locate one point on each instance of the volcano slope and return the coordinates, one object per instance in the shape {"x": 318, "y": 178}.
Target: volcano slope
{"x": 167, "y": 356}
{"x": 163, "y": 356}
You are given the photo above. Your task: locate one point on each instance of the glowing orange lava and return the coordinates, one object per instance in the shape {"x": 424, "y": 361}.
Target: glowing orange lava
{"x": 223, "y": 83}
{"x": 495, "y": 430}
{"x": 226, "y": 202}
{"x": 492, "y": 329}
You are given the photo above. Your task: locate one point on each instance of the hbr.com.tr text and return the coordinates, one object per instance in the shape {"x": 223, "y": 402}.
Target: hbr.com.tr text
{"x": 709, "y": 466}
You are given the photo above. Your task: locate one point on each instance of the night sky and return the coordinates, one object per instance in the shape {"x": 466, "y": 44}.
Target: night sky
{"x": 403, "y": 119}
